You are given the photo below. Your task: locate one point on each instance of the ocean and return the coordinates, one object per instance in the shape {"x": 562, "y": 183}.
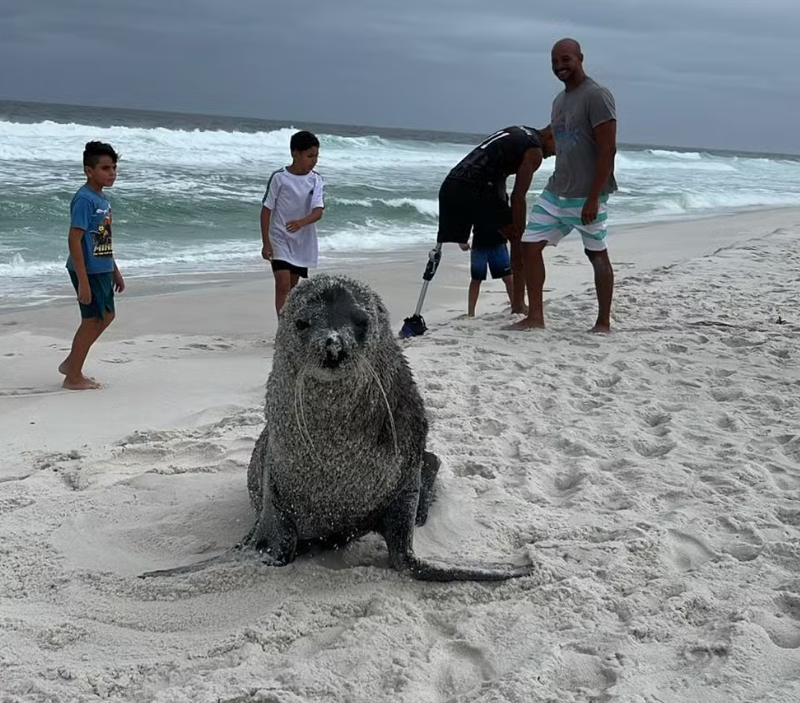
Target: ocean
{"x": 188, "y": 190}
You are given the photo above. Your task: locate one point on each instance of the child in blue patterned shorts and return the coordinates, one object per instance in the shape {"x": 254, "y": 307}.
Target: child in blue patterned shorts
{"x": 488, "y": 251}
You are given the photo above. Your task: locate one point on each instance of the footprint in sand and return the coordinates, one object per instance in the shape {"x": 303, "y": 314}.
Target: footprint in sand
{"x": 725, "y": 395}
{"x": 473, "y": 468}
{"x": 785, "y": 479}
{"x": 586, "y": 671}
{"x": 608, "y": 381}
{"x": 686, "y": 553}
{"x": 791, "y": 518}
{"x": 790, "y": 446}
{"x": 650, "y": 450}
{"x": 745, "y": 543}
{"x": 489, "y": 428}
{"x": 782, "y": 629}
{"x": 459, "y": 668}
{"x": 568, "y": 483}
{"x": 657, "y": 418}
{"x": 729, "y": 423}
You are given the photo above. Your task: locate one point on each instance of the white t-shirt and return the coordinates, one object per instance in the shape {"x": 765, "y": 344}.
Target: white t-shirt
{"x": 291, "y": 197}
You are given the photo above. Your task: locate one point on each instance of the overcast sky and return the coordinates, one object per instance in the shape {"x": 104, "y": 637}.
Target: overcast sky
{"x": 712, "y": 73}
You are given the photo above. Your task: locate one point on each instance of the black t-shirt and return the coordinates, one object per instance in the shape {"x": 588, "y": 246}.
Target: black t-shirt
{"x": 497, "y": 157}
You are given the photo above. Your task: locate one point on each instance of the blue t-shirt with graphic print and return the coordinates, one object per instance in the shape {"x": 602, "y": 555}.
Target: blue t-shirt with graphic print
{"x": 91, "y": 212}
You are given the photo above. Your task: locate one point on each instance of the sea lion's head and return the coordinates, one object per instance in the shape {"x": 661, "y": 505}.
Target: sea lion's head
{"x": 330, "y": 326}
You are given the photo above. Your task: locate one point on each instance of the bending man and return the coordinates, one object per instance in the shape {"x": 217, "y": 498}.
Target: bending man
{"x": 474, "y": 195}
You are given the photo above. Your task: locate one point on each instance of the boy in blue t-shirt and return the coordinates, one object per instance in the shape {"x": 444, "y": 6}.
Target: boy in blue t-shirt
{"x": 91, "y": 264}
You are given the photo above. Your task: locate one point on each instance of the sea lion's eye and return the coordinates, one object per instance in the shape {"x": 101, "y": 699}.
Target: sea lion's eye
{"x": 302, "y": 324}
{"x": 360, "y": 321}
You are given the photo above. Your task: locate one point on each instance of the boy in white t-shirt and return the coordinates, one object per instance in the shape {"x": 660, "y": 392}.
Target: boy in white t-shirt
{"x": 290, "y": 208}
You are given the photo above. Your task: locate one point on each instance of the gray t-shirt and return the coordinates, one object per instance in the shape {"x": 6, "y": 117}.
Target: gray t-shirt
{"x": 575, "y": 114}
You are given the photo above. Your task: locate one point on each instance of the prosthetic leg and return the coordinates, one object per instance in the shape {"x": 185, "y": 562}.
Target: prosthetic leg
{"x": 415, "y": 326}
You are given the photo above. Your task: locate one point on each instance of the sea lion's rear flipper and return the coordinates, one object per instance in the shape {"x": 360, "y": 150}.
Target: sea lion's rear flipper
{"x": 424, "y": 570}
{"x": 397, "y": 528}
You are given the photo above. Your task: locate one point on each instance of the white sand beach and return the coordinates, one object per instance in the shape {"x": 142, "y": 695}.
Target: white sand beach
{"x": 652, "y": 475}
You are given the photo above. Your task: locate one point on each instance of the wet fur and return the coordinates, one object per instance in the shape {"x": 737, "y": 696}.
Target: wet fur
{"x": 343, "y": 449}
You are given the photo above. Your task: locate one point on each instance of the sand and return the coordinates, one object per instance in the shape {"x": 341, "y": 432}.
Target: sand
{"x": 652, "y": 475}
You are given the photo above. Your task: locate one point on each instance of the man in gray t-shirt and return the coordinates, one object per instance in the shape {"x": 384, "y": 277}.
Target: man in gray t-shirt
{"x": 583, "y": 121}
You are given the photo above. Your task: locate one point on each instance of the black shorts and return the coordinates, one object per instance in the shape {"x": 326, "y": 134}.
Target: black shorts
{"x": 280, "y": 265}
{"x": 464, "y": 206}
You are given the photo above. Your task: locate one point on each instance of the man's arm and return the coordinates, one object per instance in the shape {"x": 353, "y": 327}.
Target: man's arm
{"x": 605, "y": 138}
{"x": 522, "y": 183}
{"x": 602, "y": 114}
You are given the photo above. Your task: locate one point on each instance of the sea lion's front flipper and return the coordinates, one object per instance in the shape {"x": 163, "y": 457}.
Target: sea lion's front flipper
{"x": 397, "y": 528}
{"x": 274, "y": 535}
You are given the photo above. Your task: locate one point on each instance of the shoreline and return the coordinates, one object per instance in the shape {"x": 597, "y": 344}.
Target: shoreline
{"x": 342, "y": 262}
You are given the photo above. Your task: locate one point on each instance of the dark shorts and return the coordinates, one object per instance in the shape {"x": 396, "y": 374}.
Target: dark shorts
{"x": 464, "y": 207}
{"x": 496, "y": 258}
{"x": 102, "y": 287}
{"x": 279, "y": 265}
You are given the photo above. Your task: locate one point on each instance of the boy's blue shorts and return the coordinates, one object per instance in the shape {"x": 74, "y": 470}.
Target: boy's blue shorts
{"x": 102, "y": 287}
{"x": 496, "y": 258}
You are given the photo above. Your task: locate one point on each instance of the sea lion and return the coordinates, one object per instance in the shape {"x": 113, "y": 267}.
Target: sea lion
{"x": 343, "y": 450}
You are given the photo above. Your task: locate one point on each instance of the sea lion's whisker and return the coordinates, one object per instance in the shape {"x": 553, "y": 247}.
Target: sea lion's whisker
{"x": 371, "y": 369}
{"x": 304, "y": 426}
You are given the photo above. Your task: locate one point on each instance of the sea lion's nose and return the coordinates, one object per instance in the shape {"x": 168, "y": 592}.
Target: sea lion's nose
{"x": 333, "y": 349}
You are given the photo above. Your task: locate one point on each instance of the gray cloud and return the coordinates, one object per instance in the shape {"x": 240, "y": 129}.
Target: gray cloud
{"x": 685, "y": 72}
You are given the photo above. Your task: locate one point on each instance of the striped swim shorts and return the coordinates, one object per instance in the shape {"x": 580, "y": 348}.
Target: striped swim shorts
{"x": 554, "y": 217}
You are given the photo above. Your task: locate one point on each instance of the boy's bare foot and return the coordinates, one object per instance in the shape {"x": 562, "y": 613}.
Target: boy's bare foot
{"x": 526, "y": 324}
{"x": 80, "y": 383}
{"x": 63, "y": 369}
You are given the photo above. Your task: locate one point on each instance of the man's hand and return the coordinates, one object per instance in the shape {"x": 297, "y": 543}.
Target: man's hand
{"x": 590, "y": 209}
{"x": 84, "y": 292}
{"x": 464, "y": 246}
{"x": 266, "y": 252}
{"x": 119, "y": 282}
{"x": 294, "y": 225}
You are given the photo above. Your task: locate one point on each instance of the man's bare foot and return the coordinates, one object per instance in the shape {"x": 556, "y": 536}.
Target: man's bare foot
{"x": 80, "y": 383}
{"x": 526, "y": 324}
{"x": 600, "y": 329}
{"x": 520, "y": 311}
